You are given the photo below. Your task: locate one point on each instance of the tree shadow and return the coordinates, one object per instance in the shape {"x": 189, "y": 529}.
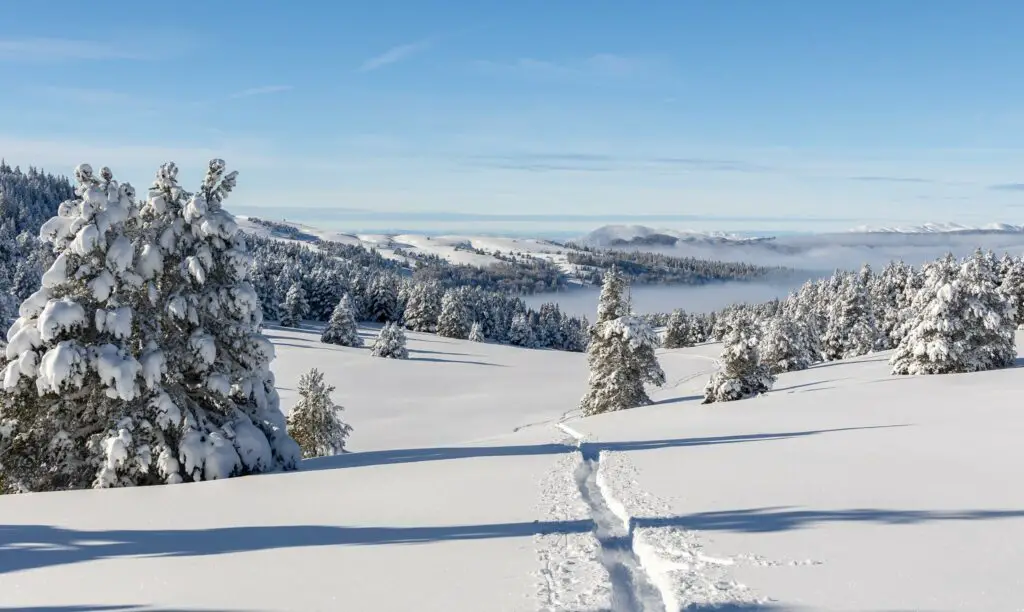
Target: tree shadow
{"x": 103, "y": 608}
{"x": 829, "y": 364}
{"x": 426, "y": 352}
{"x": 783, "y": 518}
{"x": 810, "y": 384}
{"x": 416, "y": 455}
{"x": 468, "y": 362}
{"x": 28, "y": 547}
{"x": 39, "y": 546}
{"x": 677, "y": 400}
{"x": 325, "y": 346}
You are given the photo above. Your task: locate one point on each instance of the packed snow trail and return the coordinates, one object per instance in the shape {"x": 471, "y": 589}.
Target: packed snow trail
{"x": 631, "y": 588}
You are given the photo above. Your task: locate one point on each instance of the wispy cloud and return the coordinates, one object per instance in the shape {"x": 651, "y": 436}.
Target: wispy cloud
{"x": 396, "y": 54}
{"x": 597, "y": 66}
{"x": 261, "y": 91}
{"x": 891, "y": 179}
{"x": 85, "y": 95}
{"x": 64, "y": 49}
{"x": 1008, "y": 187}
{"x": 596, "y": 162}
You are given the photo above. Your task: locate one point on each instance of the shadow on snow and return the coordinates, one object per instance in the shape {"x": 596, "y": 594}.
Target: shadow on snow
{"x": 415, "y": 455}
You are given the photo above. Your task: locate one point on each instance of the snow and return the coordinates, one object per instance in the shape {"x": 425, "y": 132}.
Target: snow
{"x": 617, "y": 235}
{"x": 474, "y": 485}
{"x": 939, "y": 228}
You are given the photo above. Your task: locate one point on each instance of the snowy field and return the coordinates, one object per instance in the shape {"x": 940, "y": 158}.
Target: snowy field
{"x": 475, "y": 487}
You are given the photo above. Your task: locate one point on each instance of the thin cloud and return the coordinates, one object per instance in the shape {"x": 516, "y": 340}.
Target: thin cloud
{"x": 86, "y": 95}
{"x": 1008, "y": 187}
{"x": 891, "y": 179}
{"x": 395, "y": 55}
{"x": 596, "y": 162}
{"x": 603, "y": 66}
{"x": 65, "y": 49}
{"x": 261, "y": 91}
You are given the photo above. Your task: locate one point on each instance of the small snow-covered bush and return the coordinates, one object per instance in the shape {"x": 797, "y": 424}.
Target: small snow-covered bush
{"x": 476, "y": 334}
{"x": 390, "y": 343}
{"x": 315, "y": 421}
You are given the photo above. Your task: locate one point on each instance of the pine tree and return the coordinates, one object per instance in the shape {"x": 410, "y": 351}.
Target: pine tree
{"x": 1011, "y": 284}
{"x": 315, "y": 423}
{"x": 295, "y": 308}
{"x": 742, "y": 375}
{"x": 784, "y": 348}
{"x": 621, "y": 355}
{"x": 342, "y": 329}
{"x": 677, "y": 332}
{"x": 157, "y": 371}
{"x": 959, "y": 321}
{"x": 476, "y": 333}
{"x": 889, "y": 296}
{"x": 383, "y": 299}
{"x": 423, "y": 307}
{"x": 521, "y": 334}
{"x": 73, "y": 365}
{"x": 390, "y": 343}
{"x": 217, "y": 393}
{"x": 851, "y": 330}
{"x": 454, "y": 321}
{"x": 612, "y": 303}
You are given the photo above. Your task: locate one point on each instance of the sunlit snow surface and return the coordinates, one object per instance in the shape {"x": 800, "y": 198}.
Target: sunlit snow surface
{"x": 475, "y": 487}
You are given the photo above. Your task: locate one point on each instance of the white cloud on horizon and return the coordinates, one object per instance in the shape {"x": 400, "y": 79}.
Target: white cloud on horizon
{"x": 395, "y": 55}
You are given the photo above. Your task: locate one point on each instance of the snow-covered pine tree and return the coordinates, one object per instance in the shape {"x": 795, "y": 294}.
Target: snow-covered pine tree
{"x": 476, "y": 334}
{"x": 454, "y": 321}
{"x": 390, "y": 343}
{"x": 423, "y": 307}
{"x": 521, "y": 334}
{"x": 959, "y": 322}
{"x": 315, "y": 421}
{"x": 383, "y": 299}
{"x": 73, "y": 360}
{"x": 1011, "y": 284}
{"x": 851, "y": 330}
{"x": 742, "y": 375}
{"x": 612, "y": 301}
{"x": 213, "y": 409}
{"x": 295, "y": 308}
{"x": 677, "y": 332}
{"x": 576, "y": 331}
{"x": 784, "y": 347}
{"x": 342, "y": 328}
{"x": 621, "y": 355}
{"x": 992, "y": 312}
{"x": 889, "y": 296}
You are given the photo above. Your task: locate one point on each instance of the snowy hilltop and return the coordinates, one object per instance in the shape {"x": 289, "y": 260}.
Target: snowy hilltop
{"x": 618, "y": 236}
{"x": 941, "y": 228}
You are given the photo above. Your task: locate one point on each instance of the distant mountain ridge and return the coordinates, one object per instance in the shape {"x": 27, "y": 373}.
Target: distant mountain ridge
{"x": 942, "y": 228}
{"x": 612, "y": 236}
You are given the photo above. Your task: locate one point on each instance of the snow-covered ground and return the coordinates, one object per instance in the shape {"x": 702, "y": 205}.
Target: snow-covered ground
{"x": 474, "y": 486}
{"x": 454, "y": 249}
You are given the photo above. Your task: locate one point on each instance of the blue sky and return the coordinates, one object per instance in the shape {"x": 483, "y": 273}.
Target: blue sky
{"x": 731, "y": 114}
